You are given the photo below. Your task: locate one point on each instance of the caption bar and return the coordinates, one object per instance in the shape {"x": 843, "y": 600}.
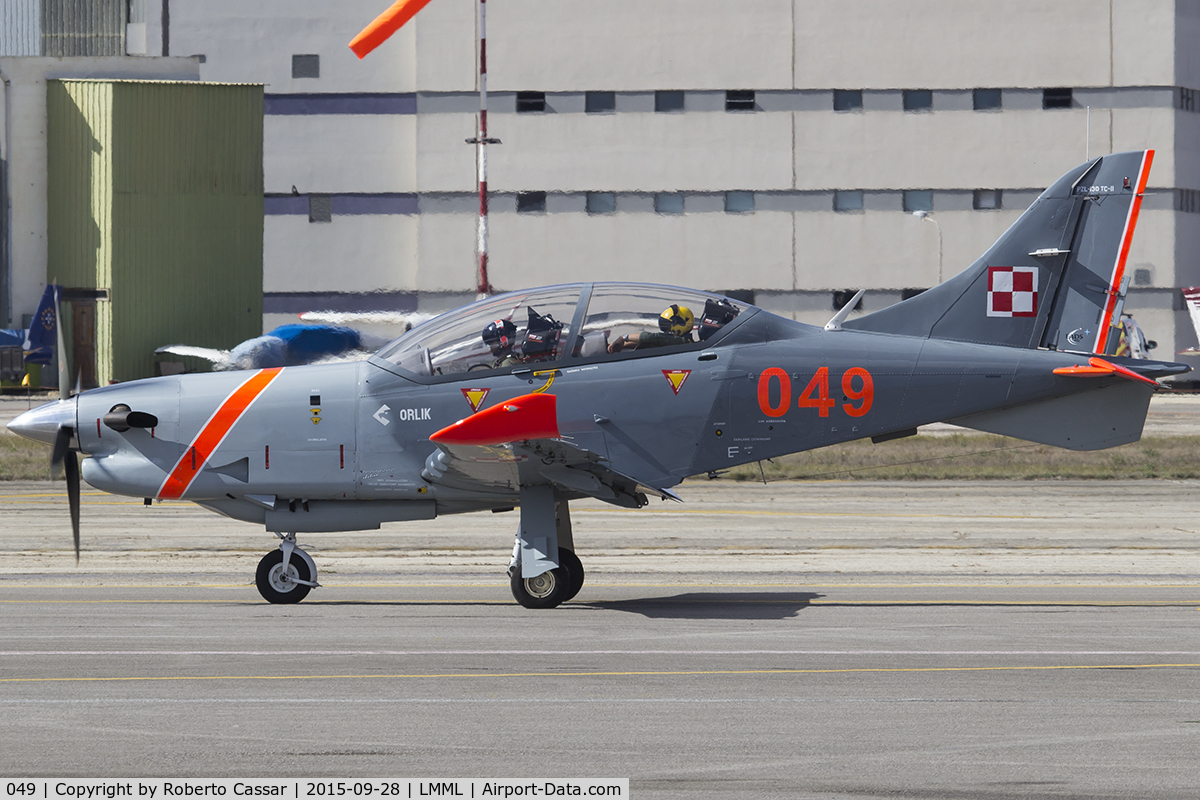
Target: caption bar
{"x": 166, "y": 788}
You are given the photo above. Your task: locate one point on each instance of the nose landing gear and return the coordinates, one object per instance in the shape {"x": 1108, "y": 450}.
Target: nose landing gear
{"x": 286, "y": 575}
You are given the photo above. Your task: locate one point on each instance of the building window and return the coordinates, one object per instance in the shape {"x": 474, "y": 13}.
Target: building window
{"x": 601, "y": 202}
{"x": 320, "y": 208}
{"x": 599, "y": 102}
{"x": 986, "y": 99}
{"x": 531, "y": 202}
{"x": 1188, "y": 100}
{"x": 1187, "y": 200}
{"x": 986, "y": 199}
{"x": 739, "y": 100}
{"x": 918, "y": 200}
{"x": 1057, "y": 98}
{"x": 845, "y": 296}
{"x": 668, "y": 203}
{"x": 668, "y": 101}
{"x": 306, "y": 66}
{"x": 847, "y": 100}
{"x": 908, "y": 294}
{"x": 918, "y": 100}
{"x": 531, "y": 102}
{"x": 848, "y": 200}
{"x": 1141, "y": 277}
{"x": 739, "y": 202}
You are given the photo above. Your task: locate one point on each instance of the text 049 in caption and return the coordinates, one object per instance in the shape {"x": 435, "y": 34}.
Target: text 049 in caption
{"x": 158, "y": 789}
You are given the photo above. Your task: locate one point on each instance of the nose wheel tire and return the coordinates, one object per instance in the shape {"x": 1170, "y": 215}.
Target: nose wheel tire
{"x": 278, "y": 585}
{"x": 543, "y": 591}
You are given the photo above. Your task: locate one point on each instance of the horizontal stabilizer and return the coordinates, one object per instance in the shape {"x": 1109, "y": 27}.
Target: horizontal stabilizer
{"x": 1098, "y": 367}
{"x": 530, "y": 416}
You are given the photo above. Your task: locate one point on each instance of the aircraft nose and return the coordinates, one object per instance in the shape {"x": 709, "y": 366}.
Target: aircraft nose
{"x": 42, "y": 423}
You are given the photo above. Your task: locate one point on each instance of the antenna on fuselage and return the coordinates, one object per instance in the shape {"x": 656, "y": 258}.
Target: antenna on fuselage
{"x": 835, "y": 324}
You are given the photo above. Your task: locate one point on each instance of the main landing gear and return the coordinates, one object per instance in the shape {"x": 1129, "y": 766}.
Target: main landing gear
{"x": 551, "y": 587}
{"x": 544, "y": 571}
{"x": 286, "y": 575}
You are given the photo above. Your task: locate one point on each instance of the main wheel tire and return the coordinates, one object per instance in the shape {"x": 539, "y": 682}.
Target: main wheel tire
{"x": 544, "y": 591}
{"x": 568, "y": 559}
{"x": 277, "y": 586}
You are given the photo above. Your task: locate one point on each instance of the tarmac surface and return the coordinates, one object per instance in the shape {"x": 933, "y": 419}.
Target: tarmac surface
{"x": 819, "y": 640}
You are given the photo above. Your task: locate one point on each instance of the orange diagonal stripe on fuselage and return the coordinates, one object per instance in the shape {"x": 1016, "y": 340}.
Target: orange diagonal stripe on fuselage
{"x": 214, "y": 432}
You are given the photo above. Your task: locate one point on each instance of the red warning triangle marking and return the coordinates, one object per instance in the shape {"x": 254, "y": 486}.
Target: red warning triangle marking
{"x": 676, "y": 377}
{"x": 475, "y": 397}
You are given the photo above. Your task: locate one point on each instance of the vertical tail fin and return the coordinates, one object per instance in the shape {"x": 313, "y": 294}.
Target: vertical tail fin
{"x": 1055, "y": 279}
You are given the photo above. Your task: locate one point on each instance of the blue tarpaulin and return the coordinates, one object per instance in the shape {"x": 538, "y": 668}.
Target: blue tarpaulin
{"x": 307, "y": 343}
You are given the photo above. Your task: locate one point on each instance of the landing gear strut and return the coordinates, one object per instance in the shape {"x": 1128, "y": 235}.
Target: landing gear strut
{"x": 544, "y": 571}
{"x": 286, "y": 575}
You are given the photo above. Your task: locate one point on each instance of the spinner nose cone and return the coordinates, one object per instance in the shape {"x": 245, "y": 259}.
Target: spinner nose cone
{"x": 42, "y": 423}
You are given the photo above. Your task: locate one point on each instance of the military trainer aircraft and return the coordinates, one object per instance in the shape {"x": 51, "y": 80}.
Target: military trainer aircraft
{"x": 619, "y": 391}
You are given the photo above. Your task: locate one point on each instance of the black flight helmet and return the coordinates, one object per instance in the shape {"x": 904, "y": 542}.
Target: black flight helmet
{"x": 500, "y": 336}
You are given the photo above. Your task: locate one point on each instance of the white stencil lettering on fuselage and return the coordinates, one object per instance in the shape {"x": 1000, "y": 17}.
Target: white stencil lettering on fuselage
{"x": 412, "y": 414}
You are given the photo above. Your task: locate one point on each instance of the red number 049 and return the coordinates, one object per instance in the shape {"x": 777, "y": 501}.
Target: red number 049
{"x": 816, "y": 393}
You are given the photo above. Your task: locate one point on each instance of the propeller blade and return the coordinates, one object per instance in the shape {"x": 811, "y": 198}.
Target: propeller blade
{"x": 72, "y": 465}
{"x": 62, "y": 446}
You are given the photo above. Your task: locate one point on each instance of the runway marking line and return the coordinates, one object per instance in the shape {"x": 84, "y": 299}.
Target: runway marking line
{"x": 610, "y": 652}
{"x": 598, "y": 674}
{"x": 595, "y": 585}
{"x": 661, "y": 600}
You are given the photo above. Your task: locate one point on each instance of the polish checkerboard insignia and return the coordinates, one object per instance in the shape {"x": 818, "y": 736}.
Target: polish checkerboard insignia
{"x": 1012, "y": 291}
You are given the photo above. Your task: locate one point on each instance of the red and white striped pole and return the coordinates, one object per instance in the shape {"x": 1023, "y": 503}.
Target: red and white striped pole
{"x": 383, "y": 26}
{"x": 484, "y": 286}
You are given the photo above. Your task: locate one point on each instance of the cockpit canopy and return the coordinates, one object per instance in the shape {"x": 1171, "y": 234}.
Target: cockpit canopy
{"x": 562, "y": 324}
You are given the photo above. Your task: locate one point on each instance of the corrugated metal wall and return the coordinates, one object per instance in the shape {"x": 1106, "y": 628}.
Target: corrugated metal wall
{"x": 156, "y": 194}
{"x": 83, "y": 27}
{"x": 187, "y": 215}
{"x": 79, "y": 181}
{"x": 79, "y": 189}
{"x": 20, "y": 28}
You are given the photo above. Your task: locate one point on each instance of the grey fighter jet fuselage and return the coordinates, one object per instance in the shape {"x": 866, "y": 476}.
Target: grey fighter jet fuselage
{"x": 583, "y": 392}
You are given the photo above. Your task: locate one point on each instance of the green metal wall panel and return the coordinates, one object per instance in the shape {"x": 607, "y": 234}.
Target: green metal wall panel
{"x": 167, "y": 213}
{"x": 78, "y": 176}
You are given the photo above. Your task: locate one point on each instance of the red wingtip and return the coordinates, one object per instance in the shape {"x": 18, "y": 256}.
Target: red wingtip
{"x": 385, "y": 25}
{"x": 530, "y": 416}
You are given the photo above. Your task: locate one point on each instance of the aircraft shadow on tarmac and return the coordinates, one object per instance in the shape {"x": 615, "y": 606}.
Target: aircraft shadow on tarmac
{"x": 716, "y": 605}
